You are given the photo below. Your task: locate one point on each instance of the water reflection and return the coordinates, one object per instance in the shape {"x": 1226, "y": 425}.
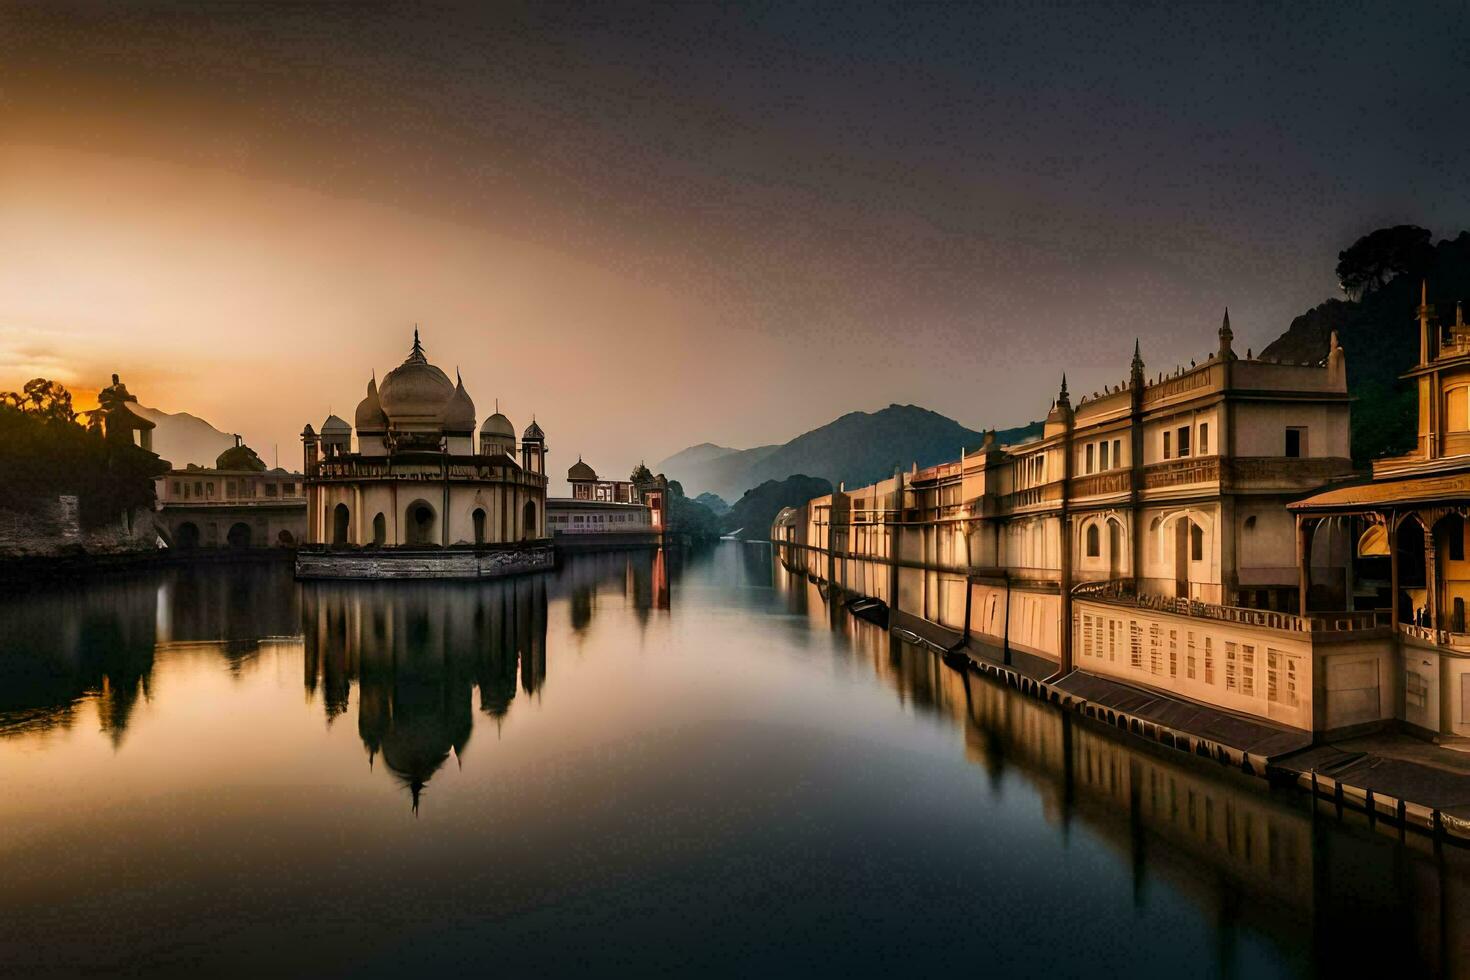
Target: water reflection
{"x": 1270, "y": 862}
{"x": 651, "y": 753}
{"x": 419, "y": 654}
{"x": 63, "y": 647}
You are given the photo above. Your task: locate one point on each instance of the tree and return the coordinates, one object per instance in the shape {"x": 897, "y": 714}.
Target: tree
{"x": 42, "y": 398}
{"x": 1373, "y": 260}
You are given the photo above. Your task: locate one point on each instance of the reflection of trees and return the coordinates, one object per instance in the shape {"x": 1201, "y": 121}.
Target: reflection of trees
{"x": 418, "y": 651}
{"x": 59, "y": 646}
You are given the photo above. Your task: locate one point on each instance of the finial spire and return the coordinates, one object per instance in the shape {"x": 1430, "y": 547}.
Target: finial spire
{"x": 1227, "y": 336}
{"x": 417, "y": 354}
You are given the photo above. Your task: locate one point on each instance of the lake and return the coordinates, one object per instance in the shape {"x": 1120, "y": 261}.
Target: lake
{"x": 643, "y": 763}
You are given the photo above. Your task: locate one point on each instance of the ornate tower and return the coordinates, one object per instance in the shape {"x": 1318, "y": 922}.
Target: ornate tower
{"x": 533, "y": 449}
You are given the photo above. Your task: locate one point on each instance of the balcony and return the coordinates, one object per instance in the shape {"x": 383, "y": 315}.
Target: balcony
{"x": 1182, "y": 472}
{"x": 1122, "y": 592}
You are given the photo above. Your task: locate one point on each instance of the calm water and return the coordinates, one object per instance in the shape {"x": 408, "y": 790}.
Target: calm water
{"x": 636, "y": 765}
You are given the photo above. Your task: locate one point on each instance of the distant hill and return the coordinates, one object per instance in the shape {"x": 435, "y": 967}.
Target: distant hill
{"x": 1380, "y": 337}
{"x": 715, "y": 503}
{"x": 182, "y": 438}
{"x": 858, "y": 448}
{"x": 694, "y": 456}
{"x": 753, "y": 513}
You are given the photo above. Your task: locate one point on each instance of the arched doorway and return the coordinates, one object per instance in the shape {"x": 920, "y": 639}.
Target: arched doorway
{"x": 286, "y": 539}
{"x": 528, "y": 527}
{"x": 340, "y": 518}
{"x": 1115, "y": 550}
{"x": 478, "y": 517}
{"x": 380, "y": 530}
{"x": 1412, "y": 600}
{"x": 186, "y": 536}
{"x": 238, "y": 536}
{"x": 1449, "y": 572}
{"x": 420, "y": 523}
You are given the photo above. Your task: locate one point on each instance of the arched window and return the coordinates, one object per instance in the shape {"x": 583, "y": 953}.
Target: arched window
{"x": 238, "y": 536}
{"x": 478, "y": 517}
{"x": 420, "y": 523}
{"x": 528, "y": 530}
{"x": 1456, "y": 409}
{"x": 380, "y": 530}
{"x": 186, "y": 536}
{"x": 1196, "y": 542}
{"x": 1094, "y": 542}
{"x": 339, "y": 524}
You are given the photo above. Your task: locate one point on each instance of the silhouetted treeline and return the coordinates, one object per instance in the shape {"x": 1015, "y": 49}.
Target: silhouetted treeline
{"x": 1379, "y": 331}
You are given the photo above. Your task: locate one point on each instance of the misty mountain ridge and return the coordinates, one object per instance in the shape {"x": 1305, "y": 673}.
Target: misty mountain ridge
{"x": 182, "y": 438}
{"x": 856, "y": 449}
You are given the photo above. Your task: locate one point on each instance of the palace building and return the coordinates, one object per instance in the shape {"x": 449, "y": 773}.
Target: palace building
{"x": 1142, "y": 540}
{"x": 238, "y": 503}
{"x": 419, "y": 497}
{"x": 1408, "y": 525}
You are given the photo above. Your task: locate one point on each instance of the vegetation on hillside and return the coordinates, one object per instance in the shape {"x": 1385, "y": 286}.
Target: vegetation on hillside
{"x": 689, "y": 517}
{"x": 45, "y": 453}
{"x": 1376, "y": 326}
{"x": 753, "y": 513}
{"x": 714, "y": 502}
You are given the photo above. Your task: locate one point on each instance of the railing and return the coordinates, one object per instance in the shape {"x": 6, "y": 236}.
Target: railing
{"x": 1179, "y": 472}
{"x": 1123, "y": 592}
{"x": 1275, "y": 469}
{"x": 1193, "y": 381}
{"x": 1438, "y": 637}
{"x": 1114, "y": 481}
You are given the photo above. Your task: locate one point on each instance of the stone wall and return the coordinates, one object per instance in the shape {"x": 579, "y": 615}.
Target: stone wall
{"x": 423, "y": 563}
{"x": 55, "y": 529}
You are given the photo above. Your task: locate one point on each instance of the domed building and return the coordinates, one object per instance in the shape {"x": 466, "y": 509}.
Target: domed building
{"x": 418, "y": 498}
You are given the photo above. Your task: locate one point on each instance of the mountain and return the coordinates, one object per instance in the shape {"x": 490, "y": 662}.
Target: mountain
{"x": 694, "y": 456}
{"x": 716, "y": 504}
{"x": 1380, "y": 337}
{"x": 182, "y": 438}
{"x": 856, "y": 449}
{"x": 753, "y": 513}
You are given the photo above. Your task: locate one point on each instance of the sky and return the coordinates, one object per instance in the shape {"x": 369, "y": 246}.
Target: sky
{"x": 654, "y": 226}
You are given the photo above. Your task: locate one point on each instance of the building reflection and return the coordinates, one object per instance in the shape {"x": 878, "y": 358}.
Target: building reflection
{"x": 1268, "y": 862}
{"x": 420, "y": 653}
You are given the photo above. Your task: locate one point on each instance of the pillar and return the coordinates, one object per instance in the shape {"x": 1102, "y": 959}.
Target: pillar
{"x": 1431, "y": 579}
{"x": 1393, "y": 571}
{"x": 1303, "y": 565}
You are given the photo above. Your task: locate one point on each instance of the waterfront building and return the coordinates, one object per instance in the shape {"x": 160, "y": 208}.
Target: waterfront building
{"x": 238, "y": 503}
{"x": 1408, "y": 527}
{"x": 1142, "y": 539}
{"x": 586, "y": 486}
{"x": 418, "y": 498}
{"x": 609, "y": 513}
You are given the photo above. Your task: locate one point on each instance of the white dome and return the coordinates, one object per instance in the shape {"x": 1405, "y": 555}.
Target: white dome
{"x": 498, "y": 425}
{"x": 416, "y": 390}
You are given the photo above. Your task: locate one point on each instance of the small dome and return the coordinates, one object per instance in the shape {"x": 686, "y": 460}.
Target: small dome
{"x": 370, "y": 415}
{"x": 240, "y": 457}
{"x": 416, "y": 389}
{"x": 498, "y": 425}
{"x": 334, "y": 425}
{"x": 533, "y": 431}
{"x": 459, "y": 412}
{"x": 581, "y": 471}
